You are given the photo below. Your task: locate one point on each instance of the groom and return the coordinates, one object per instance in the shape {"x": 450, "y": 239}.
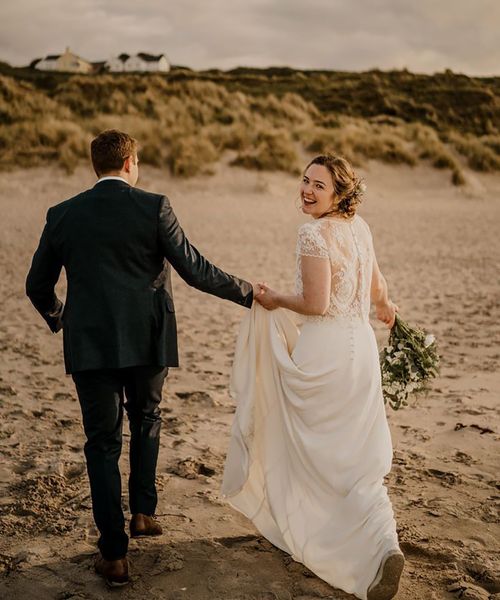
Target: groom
{"x": 117, "y": 244}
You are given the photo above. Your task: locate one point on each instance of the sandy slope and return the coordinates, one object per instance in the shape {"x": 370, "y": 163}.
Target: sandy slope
{"x": 440, "y": 251}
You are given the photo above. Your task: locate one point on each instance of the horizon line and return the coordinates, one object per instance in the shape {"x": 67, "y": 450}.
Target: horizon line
{"x": 280, "y": 66}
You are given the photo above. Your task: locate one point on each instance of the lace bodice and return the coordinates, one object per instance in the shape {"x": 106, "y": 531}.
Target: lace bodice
{"x": 349, "y": 248}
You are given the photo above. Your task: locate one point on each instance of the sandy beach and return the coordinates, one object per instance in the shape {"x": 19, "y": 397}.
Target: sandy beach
{"x": 439, "y": 249}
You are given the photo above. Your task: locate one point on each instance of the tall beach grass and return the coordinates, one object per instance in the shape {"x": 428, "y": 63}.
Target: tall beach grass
{"x": 267, "y": 119}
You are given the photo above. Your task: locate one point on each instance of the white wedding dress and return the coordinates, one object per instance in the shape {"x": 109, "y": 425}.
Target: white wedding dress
{"x": 310, "y": 443}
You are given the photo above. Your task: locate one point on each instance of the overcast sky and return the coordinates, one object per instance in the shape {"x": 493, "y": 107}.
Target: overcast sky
{"x": 421, "y": 35}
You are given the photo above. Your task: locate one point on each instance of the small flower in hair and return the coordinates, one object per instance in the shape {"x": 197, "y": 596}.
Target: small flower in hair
{"x": 360, "y": 188}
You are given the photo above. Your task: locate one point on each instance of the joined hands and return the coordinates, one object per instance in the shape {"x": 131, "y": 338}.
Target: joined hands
{"x": 265, "y": 296}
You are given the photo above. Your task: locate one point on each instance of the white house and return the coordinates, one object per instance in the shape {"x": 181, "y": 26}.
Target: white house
{"x": 141, "y": 62}
{"x": 117, "y": 63}
{"x": 64, "y": 62}
{"x": 48, "y": 63}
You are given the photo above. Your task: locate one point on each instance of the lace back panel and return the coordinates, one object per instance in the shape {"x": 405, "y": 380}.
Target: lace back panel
{"x": 348, "y": 246}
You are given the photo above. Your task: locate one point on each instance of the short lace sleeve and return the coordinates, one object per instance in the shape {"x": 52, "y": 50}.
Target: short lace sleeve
{"x": 310, "y": 242}
{"x": 367, "y": 232}
{"x": 366, "y": 227}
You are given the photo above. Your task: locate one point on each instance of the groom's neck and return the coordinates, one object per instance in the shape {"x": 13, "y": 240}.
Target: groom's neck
{"x": 122, "y": 174}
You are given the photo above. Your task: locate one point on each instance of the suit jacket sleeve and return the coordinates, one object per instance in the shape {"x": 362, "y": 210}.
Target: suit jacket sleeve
{"x": 194, "y": 268}
{"x": 41, "y": 280}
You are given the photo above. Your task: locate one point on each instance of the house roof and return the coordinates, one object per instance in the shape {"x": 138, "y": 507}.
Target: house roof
{"x": 150, "y": 57}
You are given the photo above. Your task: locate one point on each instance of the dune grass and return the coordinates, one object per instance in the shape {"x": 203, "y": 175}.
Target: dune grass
{"x": 185, "y": 121}
{"x": 480, "y": 156}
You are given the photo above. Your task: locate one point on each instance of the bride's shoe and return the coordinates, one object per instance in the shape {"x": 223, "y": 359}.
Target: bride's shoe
{"x": 386, "y": 582}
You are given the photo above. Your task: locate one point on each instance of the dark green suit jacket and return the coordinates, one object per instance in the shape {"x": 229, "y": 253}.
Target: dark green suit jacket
{"x": 117, "y": 244}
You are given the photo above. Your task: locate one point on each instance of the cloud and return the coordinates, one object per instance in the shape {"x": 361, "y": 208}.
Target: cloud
{"x": 332, "y": 34}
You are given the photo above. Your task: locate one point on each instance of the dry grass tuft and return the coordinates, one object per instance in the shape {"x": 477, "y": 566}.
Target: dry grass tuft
{"x": 493, "y": 142}
{"x": 480, "y": 156}
{"x": 358, "y": 140}
{"x": 275, "y": 151}
{"x": 430, "y": 147}
{"x": 191, "y": 155}
{"x": 457, "y": 177}
{"x": 29, "y": 144}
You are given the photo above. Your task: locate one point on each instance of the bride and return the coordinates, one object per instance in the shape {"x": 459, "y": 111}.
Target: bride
{"x": 310, "y": 443}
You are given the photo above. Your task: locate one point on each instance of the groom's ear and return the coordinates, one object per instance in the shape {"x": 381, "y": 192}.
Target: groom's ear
{"x": 127, "y": 164}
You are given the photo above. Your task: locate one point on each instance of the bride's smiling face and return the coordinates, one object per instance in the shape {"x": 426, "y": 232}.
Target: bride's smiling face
{"x": 316, "y": 191}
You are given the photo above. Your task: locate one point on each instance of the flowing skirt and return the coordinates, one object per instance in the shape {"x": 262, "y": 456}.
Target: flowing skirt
{"x": 310, "y": 444}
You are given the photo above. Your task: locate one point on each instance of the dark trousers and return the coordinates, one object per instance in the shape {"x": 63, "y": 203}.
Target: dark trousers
{"x": 103, "y": 395}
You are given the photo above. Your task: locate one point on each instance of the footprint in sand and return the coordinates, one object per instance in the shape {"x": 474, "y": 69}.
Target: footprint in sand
{"x": 463, "y": 457}
{"x": 199, "y": 398}
{"x": 7, "y": 390}
{"x": 167, "y": 560}
{"x": 474, "y": 426}
{"x": 61, "y": 396}
{"x": 446, "y": 478}
{"x": 178, "y": 426}
{"x": 192, "y": 468}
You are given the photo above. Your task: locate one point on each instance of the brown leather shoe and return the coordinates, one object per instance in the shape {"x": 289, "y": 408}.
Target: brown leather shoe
{"x": 143, "y": 525}
{"x": 115, "y": 572}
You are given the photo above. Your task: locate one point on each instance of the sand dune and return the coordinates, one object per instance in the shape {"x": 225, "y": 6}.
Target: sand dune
{"x": 440, "y": 251}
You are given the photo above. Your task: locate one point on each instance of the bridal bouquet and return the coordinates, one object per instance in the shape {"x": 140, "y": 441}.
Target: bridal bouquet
{"x": 407, "y": 363}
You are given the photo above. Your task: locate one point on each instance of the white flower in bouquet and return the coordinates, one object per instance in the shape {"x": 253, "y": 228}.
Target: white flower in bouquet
{"x": 407, "y": 363}
{"x": 429, "y": 339}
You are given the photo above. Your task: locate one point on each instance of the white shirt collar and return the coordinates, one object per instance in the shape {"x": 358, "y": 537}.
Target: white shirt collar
{"x": 112, "y": 177}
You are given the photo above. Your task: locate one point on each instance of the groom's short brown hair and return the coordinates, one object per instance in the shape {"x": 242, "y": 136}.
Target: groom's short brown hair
{"x": 110, "y": 149}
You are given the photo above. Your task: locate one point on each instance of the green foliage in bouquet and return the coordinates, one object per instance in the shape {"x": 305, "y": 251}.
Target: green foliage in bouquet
{"x": 408, "y": 363}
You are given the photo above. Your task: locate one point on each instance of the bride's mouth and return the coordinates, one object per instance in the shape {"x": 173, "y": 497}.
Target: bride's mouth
{"x": 307, "y": 201}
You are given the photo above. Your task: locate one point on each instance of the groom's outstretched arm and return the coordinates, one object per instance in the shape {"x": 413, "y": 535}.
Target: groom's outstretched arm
{"x": 194, "y": 268}
{"x": 41, "y": 280}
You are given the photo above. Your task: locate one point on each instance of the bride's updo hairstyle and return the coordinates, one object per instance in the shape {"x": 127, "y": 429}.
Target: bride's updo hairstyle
{"x": 347, "y": 186}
